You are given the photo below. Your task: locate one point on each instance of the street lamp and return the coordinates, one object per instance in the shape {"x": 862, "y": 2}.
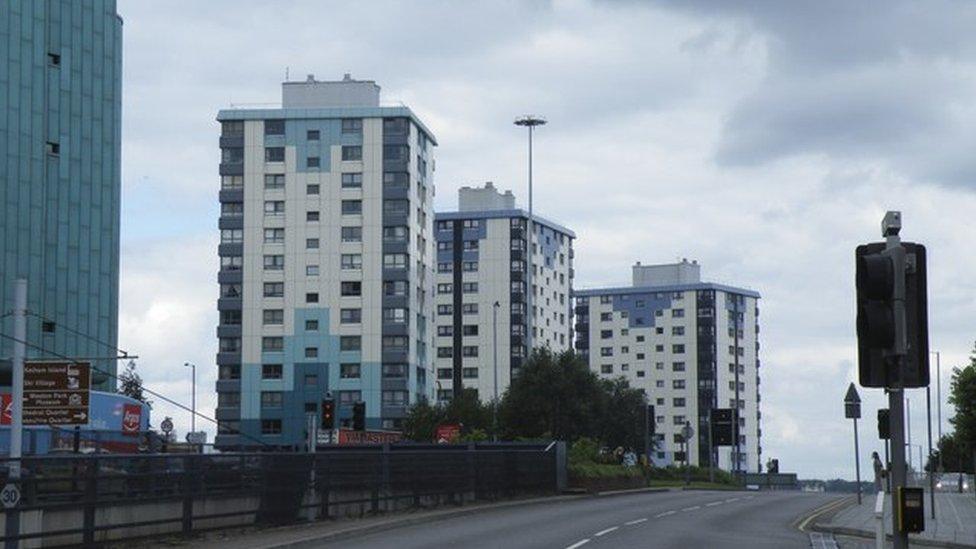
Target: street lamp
{"x": 494, "y": 358}
{"x": 529, "y": 121}
{"x": 193, "y": 402}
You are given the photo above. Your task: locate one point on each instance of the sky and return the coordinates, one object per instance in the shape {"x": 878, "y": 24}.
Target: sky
{"x": 765, "y": 139}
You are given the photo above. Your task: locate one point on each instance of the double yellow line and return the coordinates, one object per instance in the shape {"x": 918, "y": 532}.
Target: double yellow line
{"x": 803, "y": 522}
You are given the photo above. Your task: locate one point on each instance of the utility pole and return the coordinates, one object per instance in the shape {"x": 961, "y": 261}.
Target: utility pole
{"x": 929, "y": 466}
{"x": 12, "y": 520}
{"x": 193, "y": 401}
{"x": 908, "y": 427}
{"x": 494, "y": 358}
{"x": 735, "y": 430}
{"x": 890, "y": 227}
{"x": 938, "y": 398}
{"x": 852, "y": 410}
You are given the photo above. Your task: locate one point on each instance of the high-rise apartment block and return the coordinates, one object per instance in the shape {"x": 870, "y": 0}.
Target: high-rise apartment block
{"x": 60, "y": 177}
{"x": 326, "y": 259}
{"x": 483, "y": 256}
{"x": 692, "y": 347}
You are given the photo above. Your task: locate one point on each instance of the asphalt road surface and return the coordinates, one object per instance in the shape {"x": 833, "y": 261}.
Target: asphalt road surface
{"x": 659, "y": 520}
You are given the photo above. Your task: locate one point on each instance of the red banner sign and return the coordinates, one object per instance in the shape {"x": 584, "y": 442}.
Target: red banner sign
{"x": 6, "y": 408}
{"x": 447, "y": 433}
{"x": 131, "y": 419}
{"x": 349, "y": 436}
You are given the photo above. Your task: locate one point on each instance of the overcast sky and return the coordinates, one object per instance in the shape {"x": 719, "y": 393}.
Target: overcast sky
{"x": 764, "y": 139}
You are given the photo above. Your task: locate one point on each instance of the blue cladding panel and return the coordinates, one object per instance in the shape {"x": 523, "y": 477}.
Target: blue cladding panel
{"x": 640, "y": 307}
{"x": 59, "y": 226}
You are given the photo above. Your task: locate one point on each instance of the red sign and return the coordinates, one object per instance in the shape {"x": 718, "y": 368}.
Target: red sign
{"x": 131, "y": 419}
{"x": 349, "y": 436}
{"x": 6, "y": 409}
{"x": 447, "y": 433}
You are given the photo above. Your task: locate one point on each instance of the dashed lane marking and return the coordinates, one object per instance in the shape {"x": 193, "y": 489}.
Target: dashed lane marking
{"x": 686, "y": 509}
{"x": 714, "y": 503}
{"x": 579, "y": 543}
{"x": 637, "y": 521}
{"x": 731, "y": 500}
{"x": 606, "y": 531}
{"x": 665, "y": 514}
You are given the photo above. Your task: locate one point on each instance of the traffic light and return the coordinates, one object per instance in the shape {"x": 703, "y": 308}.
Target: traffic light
{"x": 884, "y": 424}
{"x": 359, "y": 416}
{"x": 328, "y": 414}
{"x": 774, "y": 466}
{"x": 724, "y": 428}
{"x": 651, "y": 421}
{"x": 876, "y": 280}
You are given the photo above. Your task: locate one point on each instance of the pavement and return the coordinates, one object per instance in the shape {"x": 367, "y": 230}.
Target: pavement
{"x": 954, "y": 524}
{"x": 664, "y": 519}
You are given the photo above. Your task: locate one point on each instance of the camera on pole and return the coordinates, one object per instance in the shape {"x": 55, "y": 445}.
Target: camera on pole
{"x": 878, "y": 291}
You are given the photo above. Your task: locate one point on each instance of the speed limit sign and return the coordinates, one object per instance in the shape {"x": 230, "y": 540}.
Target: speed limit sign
{"x": 10, "y": 496}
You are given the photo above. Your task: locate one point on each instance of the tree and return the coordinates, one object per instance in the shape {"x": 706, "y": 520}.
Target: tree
{"x": 952, "y": 456}
{"x": 467, "y": 410}
{"x": 421, "y": 421}
{"x": 553, "y": 396}
{"x": 130, "y": 384}
{"x": 622, "y": 423}
{"x": 962, "y": 395}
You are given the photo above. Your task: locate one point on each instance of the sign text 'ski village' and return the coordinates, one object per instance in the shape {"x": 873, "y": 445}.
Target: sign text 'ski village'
{"x": 56, "y": 393}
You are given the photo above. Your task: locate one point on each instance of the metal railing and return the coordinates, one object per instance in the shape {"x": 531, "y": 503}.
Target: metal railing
{"x": 274, "y": 488}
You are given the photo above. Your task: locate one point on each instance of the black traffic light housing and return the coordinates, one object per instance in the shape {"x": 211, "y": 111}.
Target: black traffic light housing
{"x": 359, "y": 416}
{"x": 725, "y": 428}
{"x": 884, "y": 424}
{"x": 328, "y": 414}
{"x": 651, "y": 421}
{"x": 876, "y": 330}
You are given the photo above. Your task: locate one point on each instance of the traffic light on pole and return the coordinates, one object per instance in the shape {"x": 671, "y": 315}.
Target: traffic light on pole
{"x": 359, "y": 416}
{"x": 651, "y": 421}
{"x": 328, "y": 414}
{"x": 884, "y": 424}
{"x": 877, "y": 329}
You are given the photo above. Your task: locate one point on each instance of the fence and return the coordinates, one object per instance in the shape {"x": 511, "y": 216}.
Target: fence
{"x": 96, "y": 498}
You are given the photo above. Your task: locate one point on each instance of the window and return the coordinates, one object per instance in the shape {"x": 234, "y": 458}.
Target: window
{"x": 352, "y": 207}
{"x": 347, "y": 398}
{"x": 311, "y": 243}
{"x": 445, "y": 352}
{"x": 271, "y": 399}
{"x": 229, "y": 371}
{"x": 351, "y": 288}
{"x": 606, "y": 351}
{"x": 352, "y": 125}
{"x": 395, "y": 315}
{"x": 445, "y": 310}
{"x": 311, "y": 379}
{"x": 624, "y": 350}
{"x": 352, "y": 262}
{"x": 396, "y": 180}
{"x": 270, "y": 426}
{"x": 445, "y": 246}
{"x": 678, "y": 384}
{"x": 230, "y": 344}
{"x": 640, "y": 356}
{"x": 395, "y": 398}
{"x": 272, "y": 344}
{"x": 312, "y": 189}
{"x": 605, "y": 317}
{"x": 352, "y": 180}
{"x": 312, "y": 297}
{"x": 349, "y": 371}
{"x": 274, "y": 181}
{"x": 231, "y": 263}
{"x": 274, "y": 207}
{"x": 678, "y": 330}
{"x": 678, "y": 402}
{"x": 274, "y": 154}
{"x": 350, "y": 343}
{"x": 677, "y": 313}
{"x": 469, "y": 287}
{"x": 311, "y": 352}
{"x": 312, "y": 135}
{"x": 445, "y": 267}
{"x": 445, "y": 288}
{"x": 232, "y": 209}
{"x": 395, "y": 234}
{"x": 659, "y": 384}
{"x": 640, "y": 373}
{"x": 659, "y": 348}
{"x": 677, "y": 366}
{"x": 230, "y": 318}
{"x": 445, "y": 373}
{"x": 394, "y": 370}
{"x": 395, "y": 343}
{"x": 469, "y": 266}
{"x": 311, "y": 216}
{"x": 232, "y": 182}
{"x": 678, "y": 348}
{"x": 274, "y": 289}
{"x": 311, "y": 325}
{"x": 395, "y": 287}
{"x": 352, "y": 234}
{"x": 274, "y": 262}
{"x": 396, "y": 207}
{"x": 352, "y": 152}
{"x": 274, "y": 236}
{"x": 394, "y": 261}
{"x": 470, "y": 245}
{"x": 469, "y": 373}
{"x": 274, "y": 127}
{"x": 395, "y": 125}
{"x": 350, "y": 316}
{"x": 470, "y": 329}
{"x": 311, "y": 270}
{"x": 395, "y": 152}
{"x": 273, "y": 316}
{"x": 469, "y": 308}
{"x": 232, "y": 155}
{"x": 469, "y": 350}
{"x": 445, "y": 331}
{"x": 606, "y": 368}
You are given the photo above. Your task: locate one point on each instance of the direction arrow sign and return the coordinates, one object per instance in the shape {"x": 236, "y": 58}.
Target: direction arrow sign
{"x": 56, "y": 393}
{"x": 10, "y": 496}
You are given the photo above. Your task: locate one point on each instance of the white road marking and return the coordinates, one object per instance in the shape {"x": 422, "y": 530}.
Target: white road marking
{"x": 604, "y": 532}
{"x": 731, "y": 500}
{"x": 633, "y": 522}
{"x": 686, "y": 509}
{"x": 665, "y": 514}
{"x": 748, "y": 497}
{"x": 714, "y": 503}
{"x": 579, "y": 543}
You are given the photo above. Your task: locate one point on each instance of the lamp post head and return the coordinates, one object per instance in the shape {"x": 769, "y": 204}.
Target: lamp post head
{"x": 530, "y": 120}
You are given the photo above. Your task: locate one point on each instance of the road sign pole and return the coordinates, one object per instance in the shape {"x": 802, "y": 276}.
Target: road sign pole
{"x": 12, "y": 520}
{"x": 857, "y": 463}
{"x": 711, "y": 449}
{"x": 891, "y": 225}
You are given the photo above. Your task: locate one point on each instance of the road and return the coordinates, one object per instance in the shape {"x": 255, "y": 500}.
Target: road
{"x": 657, "y": 520}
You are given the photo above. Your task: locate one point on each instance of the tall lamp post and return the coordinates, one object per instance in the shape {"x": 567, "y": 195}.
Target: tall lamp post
{"x": 494, "y": 358}
{"x": 193, "y": 401}
{"x": 529, "y": 121}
